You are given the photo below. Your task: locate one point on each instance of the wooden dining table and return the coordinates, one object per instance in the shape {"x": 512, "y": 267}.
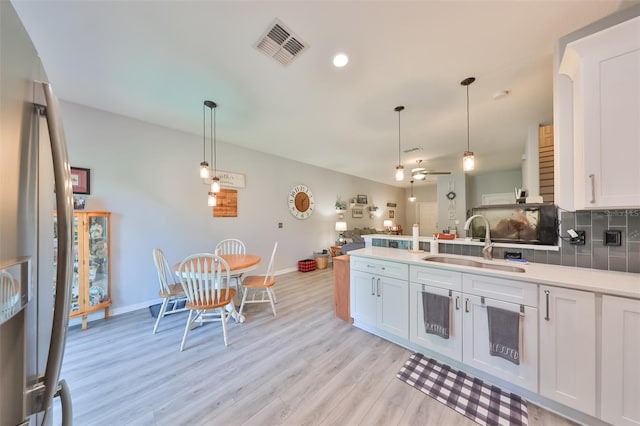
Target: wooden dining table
{"x": 238, "y": 264}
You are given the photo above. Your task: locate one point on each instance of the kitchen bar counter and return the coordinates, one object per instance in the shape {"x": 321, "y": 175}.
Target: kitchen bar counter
{"x": 460, "y": 241}
{"x": 623, "y": 284}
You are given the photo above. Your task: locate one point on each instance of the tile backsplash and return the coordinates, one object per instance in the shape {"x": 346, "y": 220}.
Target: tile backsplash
{"x": 593, "y": 254}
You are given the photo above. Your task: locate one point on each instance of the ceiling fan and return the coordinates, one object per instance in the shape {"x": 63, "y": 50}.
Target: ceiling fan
{"x": 420, "y": 173}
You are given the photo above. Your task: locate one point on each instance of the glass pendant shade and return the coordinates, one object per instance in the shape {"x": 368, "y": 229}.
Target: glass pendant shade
{"x": 215, "y": 185}
{"x": 204, "y": 170}
{"x": 468, "y": 161}
{"x": 212, "y": 201}
{"x": 412, "y": 197}
{"x": 399, "y": 173}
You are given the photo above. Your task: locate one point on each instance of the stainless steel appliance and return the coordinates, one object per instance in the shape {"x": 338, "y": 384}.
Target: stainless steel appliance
{"x": 34, "y": 180}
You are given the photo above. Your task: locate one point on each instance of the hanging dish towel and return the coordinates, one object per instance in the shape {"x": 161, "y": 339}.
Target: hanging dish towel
{"x": 435, "y": 309}
{"x": 504, "y": 334}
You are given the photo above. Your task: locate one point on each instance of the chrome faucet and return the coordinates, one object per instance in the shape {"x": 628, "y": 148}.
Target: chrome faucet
{"x": 488, "y": 245}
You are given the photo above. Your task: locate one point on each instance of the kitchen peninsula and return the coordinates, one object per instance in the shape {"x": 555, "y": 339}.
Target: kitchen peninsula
{"x": 579, "y": 338}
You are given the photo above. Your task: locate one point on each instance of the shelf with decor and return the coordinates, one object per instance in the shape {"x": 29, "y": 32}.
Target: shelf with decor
{"x": 91, "y": 287}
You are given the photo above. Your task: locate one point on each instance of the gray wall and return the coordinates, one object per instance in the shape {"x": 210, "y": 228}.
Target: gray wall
{"x": 492, "y": 183}
{"x": 147, "y": 176}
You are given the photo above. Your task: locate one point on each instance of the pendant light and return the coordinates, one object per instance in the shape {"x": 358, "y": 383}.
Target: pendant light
{"x": 399, "y": 168}
{"x": 468, "y": 159}
{"x": 412, "y": 197}
{"x": 204, "y": 166}
{"x": 205, "y": 172}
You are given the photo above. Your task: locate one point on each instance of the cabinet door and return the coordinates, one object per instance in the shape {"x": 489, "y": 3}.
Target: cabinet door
{"x": 98, "y": 255}
{"x": 620, "y": 372}
{"x": 567, "y": 321}
{"x": 451, "y": 347}
{"x": 393, "y": 306}
{"x": 363, "y": 297}
{"x": 605, "y": 69}
{"x": 475, "y": 345}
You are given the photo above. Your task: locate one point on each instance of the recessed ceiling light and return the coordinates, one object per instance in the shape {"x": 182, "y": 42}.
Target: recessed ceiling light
{"x": 340, "y": 60}
{"x": 500, "y": 94}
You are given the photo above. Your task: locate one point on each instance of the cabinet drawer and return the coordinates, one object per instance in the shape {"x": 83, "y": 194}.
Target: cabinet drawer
{"x": 506, "y": 290}
{"x": 380, "y": 267}
{"x": 436, "y": 277}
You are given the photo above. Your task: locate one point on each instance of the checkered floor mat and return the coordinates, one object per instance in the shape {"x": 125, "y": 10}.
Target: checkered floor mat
{"x": 482, "y": 403}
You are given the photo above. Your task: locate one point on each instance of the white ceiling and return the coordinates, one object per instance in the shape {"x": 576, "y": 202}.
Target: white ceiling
{"x": 157, "y": 61}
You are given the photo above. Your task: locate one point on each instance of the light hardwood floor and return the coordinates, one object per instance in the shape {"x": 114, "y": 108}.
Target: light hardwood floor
{"x": 303, "y": 367}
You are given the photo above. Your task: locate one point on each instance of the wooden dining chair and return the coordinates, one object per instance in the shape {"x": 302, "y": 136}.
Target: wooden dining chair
{"x": 232, "y": 246}
{"x": 205, "y": 281}
{"x": 173, "y": 297}
{"x": 261, "y": 285}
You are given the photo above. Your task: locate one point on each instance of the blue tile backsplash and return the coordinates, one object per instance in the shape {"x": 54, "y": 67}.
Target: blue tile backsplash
{"x": 594, "y": 254}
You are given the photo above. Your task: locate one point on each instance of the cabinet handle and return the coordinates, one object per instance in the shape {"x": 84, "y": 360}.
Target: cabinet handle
{"x": 457, "y": 303}
{"x": 546, "y": 294}
{"x": 378, "y": 287}
{"x": 466, "y": 305}
{"x": 593, "y": 188}
{"x": 373, "y": 292}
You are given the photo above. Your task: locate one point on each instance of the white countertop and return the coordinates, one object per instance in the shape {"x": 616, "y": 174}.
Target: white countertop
{"x": 624, "y": 284}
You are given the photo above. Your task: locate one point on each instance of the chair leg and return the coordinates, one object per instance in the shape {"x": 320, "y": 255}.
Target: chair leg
{"x": 163, "y": 308}
{"x": 224, "y": 317}
{"x": 244, "y": 299}
{"x": 271, "y": 299}
{"x": 273, "y": 293}
{"x": 186, "y": 331}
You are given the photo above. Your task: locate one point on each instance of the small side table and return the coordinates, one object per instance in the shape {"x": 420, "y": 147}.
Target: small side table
{"x": 335, "y": 251}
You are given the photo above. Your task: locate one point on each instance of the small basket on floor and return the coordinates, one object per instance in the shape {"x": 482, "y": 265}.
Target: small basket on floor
{"x": 306, "y": 265}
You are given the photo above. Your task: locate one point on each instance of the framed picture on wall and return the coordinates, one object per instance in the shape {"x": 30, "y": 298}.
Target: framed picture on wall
{"x": 81, "y": 180}
{"x": 357, "y": 213}
{"x": 361, "y": 199}
{"x": 392, "y": 214}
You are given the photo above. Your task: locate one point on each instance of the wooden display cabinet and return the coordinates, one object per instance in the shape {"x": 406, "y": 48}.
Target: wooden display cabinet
{"x": 91, "y": 288}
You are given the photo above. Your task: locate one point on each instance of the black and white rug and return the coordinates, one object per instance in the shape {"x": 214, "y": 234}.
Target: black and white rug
{"x": 483, "y": 403}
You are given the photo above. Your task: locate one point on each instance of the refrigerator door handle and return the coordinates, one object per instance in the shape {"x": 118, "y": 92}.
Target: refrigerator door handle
{"x": 43, "y": 392}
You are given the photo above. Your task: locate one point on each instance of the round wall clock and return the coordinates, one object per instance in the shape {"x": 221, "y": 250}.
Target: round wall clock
{"x": 300, "y": 200}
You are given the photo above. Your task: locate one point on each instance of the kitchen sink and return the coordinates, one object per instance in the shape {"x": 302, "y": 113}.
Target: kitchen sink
{"x": 473, "y": 263}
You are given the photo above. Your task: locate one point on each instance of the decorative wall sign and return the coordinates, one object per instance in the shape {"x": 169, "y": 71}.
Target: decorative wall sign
{"x": 81, "y": 180}
{"x": 391, "y": 205}
{"x": 226, "y": 204}
{"x": 228, "y": 179}
{"x": 357, "y": 213}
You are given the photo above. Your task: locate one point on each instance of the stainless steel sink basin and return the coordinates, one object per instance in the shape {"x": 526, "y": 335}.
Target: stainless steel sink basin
{"x": 473, "y": 263}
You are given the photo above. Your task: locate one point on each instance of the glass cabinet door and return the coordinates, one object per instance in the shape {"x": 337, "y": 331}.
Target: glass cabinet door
{"x": 75, "y": 286}
{"x": 98, "y": 260}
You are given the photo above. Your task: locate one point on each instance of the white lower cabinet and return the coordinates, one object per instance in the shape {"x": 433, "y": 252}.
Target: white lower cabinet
{"x": 567, "y": 323}
{"x": 469, "y": 326}
{"x": 620, "y": 370}
{"x": 378, "y": 300}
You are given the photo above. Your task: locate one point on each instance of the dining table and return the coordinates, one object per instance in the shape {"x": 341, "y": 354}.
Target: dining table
{"x": 238, "y": 264}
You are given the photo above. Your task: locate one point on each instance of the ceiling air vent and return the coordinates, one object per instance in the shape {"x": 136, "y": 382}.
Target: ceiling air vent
{"x": 281, "y": 43}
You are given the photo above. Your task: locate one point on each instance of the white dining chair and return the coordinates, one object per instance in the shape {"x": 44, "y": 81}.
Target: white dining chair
{"x": 205, "y": 281}
{"x": 260, "y": 285}
{"x": 232, "y": 246}
{"x": 173, "y": 297}
{"x": 9, "y": 296}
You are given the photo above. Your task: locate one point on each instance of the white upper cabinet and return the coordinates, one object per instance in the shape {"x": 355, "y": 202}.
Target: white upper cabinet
{"x": 605, "y": 70}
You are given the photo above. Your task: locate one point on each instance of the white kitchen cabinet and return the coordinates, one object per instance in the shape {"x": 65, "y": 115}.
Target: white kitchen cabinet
{"x": 380, "y": 295}
{"x": 482, "y": 291}
{"x": 620, "y": 371}
{"x": 567, "y": 324}
{"x": 605, "y": 70}
{"x": 444, "y": 283}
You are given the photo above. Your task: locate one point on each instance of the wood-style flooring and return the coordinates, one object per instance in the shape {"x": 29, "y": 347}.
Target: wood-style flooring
{"x": 302, "y": 367}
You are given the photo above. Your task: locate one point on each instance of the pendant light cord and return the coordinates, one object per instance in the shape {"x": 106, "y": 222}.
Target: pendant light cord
{"x": 211, "y": 140}
{"x": 468, "y": 117}
{"x": 399, "y": 137}
{"x": 215, "y": 154}
{"x": 204, "y": 135}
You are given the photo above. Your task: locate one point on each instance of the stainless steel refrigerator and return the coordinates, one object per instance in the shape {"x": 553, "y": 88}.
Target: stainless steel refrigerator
{"x": 34, "y": 182}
